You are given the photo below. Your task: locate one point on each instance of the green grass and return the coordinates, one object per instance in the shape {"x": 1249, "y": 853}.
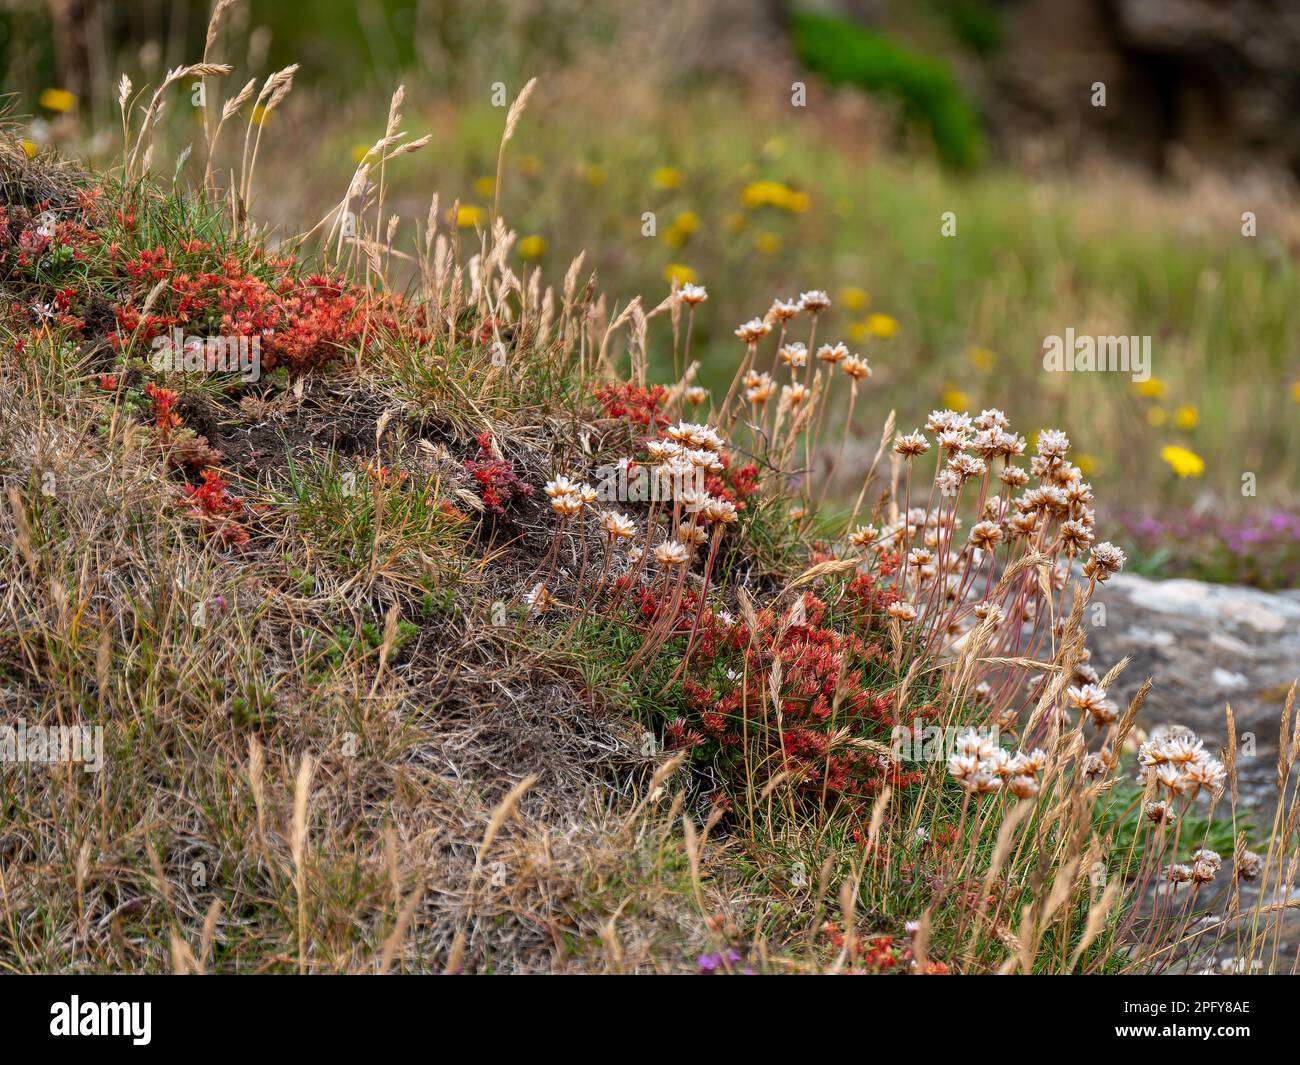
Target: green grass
{"x": 843, "y": 51}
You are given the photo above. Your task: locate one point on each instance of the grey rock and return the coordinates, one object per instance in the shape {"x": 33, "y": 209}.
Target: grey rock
{"x": 1204, "y": 646}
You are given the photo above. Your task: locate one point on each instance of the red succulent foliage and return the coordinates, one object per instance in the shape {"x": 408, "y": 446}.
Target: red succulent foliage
{"x": 823, "y": 690}
{"x": 734, "y": 484}
{"x": 213, "y": 505}
{"x": 876, "y": 954}
{"x": 300, "y": 324}
{"x": 641, "y": 406}
{"x": 182, "y": 445}
{"x": 166, "y": 420}
{"x": 498, "y": 484}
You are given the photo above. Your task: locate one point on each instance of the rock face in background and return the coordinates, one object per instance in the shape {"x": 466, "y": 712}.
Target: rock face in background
{"x": 1217, "y": 79}
{"x": 1205, "y": 645}
{"x": 1214, "y": 83}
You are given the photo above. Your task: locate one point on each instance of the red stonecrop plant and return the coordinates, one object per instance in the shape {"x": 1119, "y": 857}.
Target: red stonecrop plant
{"x": 796, "y": 691}
{"x": 300, "y": 324}
{"x": 165, "y": 419}
{"x": 640, "y": 406}
{"x": 212, "y": 504}
{"x": 498, "y": 484}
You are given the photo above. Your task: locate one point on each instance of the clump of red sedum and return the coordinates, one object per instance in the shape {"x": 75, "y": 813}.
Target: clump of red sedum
{"x": 212, "y": 504}
{"x": 498, "y": 484}
{"x": 734, "y": 484}
{"x": 182, "y": 445}
{"x": 641, "y": 406}
{"x": 301, "y": 324}
{"x": 815, "y": 662}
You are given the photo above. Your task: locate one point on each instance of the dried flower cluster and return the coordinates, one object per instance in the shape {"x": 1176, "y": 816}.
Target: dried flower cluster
{"x": 1177, "y": 765}
{"x": 981, "y": 766}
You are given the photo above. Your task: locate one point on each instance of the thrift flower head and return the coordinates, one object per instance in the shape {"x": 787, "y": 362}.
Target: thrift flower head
{"x": 910, "y": 445}
{"x": 693, "y": 535}
{"x": 795, "y": 394}
{"x": 1104, "y": 560}
{"x": 539, "y": 599}
{"x": 618, "y": 526}
{"x": 561, "y": 486}
{"x": 1178, "y": 762}
{"x": 784, "y": 310}
{"x": 1053, "y": 444}
{"x": 670, "y": 553}
{"x": 814, "y": 301}
{"x": 1249, "y": 865}
{"x": 719, "y": 511}
{"x": 856, "y": 368}
{"x": 567, "y": 505}
{"x": 760, "y": 389}
{"x": 794, "y": 354}
{"x": 694, "y": 435}
{"x": 1092, "y": 701}
{"x": 753, "y": 331}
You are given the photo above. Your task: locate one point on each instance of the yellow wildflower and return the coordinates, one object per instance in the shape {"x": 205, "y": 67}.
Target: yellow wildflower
{"x": 468, "y": 215}
{"x": 30, "y": 149}
{"x": 881, "y": 325}
{"x": 666, "y": 177}
{"x": 58, "y": 100}
{"x": 683, "y": 275}
{"x": 359, "y": 153}
{"x": 955, "y": 399}
{"x": 1156, "y": 416}
{"x": 775, "y": 194}
{"x": 532, "y": 247}
{"x": 1186, "y": 417}
{"x": 485, "y": 187}
{"x": 593, "y": 175}
{"x": 1151, "y": 388}
{"x": 982, "y": 359}
{"x": 1183, "y": 462}
{"x": 853, "y": 297}
{"x": 767, "y": 243}
{"x": 1087, "y": 464}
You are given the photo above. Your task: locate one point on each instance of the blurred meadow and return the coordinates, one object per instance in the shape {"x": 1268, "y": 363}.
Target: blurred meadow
{"x": 717, "y": 143}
